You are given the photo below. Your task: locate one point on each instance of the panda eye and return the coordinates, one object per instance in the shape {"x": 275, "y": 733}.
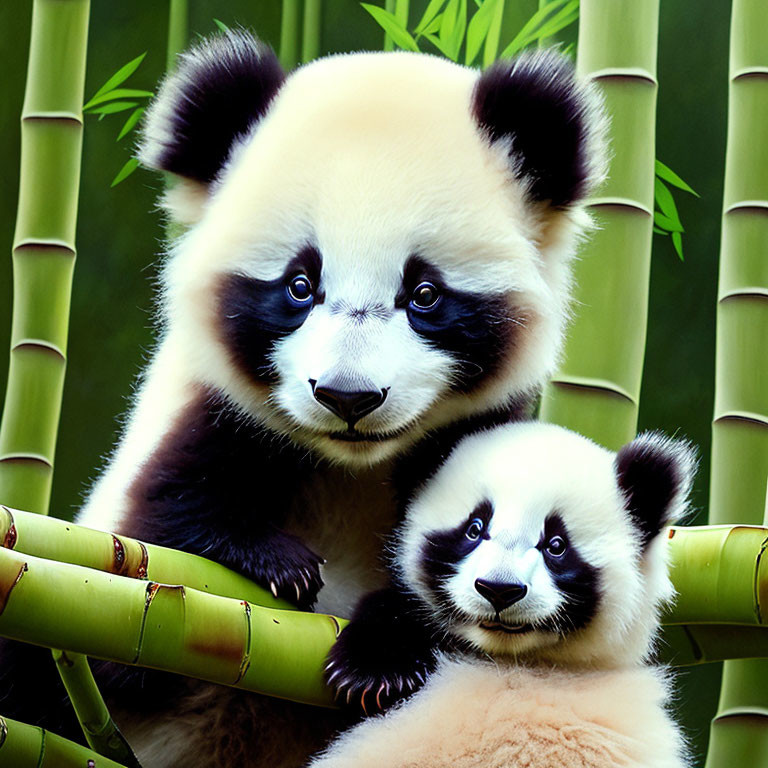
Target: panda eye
{"x": 556, "y": 546}
{"x": 425, "y": 296}
{"x": 475, "y": 529}
{"x": 300, "y": 289}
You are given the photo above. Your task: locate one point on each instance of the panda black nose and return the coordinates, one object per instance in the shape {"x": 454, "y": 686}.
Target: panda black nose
{"x": 349, "y": 406}
{"x": 499, "y": 594}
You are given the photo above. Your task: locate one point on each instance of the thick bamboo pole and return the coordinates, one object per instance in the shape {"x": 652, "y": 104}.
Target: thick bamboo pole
{"x": 65, "y": 542}
{"x": 310, "y": 42}
{"x": 43, "y": 250}
{"x": 597, "y": 389}
{"x": 178, "y": 31}
{"x": 26, "y": 746}
{"x": 44, "y": 259}
{"x": 739, "y": 734}
{"x": 167, "y": 627}
{"x": 289, "y": 35}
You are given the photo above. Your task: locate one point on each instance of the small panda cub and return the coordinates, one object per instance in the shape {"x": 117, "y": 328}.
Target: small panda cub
{"x": 525, "y": 592}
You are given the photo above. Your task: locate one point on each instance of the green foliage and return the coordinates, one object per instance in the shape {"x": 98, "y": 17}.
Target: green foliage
{"x": 666, "y": 219}
{"x": 444, "y": 24}
{"x": 109, "y": 100}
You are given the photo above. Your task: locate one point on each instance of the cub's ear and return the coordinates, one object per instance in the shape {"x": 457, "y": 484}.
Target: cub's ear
{"x": 552, "y": 124}
{"x": 221, "y": 88}
{"x": 655, "y": 474}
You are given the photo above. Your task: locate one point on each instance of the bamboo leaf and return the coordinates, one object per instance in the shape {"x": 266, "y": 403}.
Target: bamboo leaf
{"x": 677, "y": 241}
{"x": 659, "y": 231}
{"x": 389, "y": 23}
{"x": 121, "y": 75}
{"x": 457, "y": 38}
{"x": 221, "y": 25}
{"x": 565, "y": 18}
{"x": 528, "y": 29}
{"x": 478, "y": 28}
{"x": 666, "y": 173}
{"x": 666, "y": 202}
{"x": 450, "y": 18}
{"x": 434, "y": 25}
{"x": 429, "y": 15}
{"x": 125, "y": 171}
{"x": 118, "y": 93}
{"x": 664, "y": 222}
{"x": 130, "y": 122}
{"x": 113, "y": 107}
{"x": 435, "y": 40}
{"x": 494, "y": 35}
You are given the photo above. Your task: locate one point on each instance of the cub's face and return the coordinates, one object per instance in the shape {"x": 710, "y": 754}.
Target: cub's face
{"x": 380, "y": 244}
{"x": 534, "y": 542}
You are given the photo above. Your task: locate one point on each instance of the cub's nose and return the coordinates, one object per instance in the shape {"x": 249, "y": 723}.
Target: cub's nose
{"x": 499, "y": 594}
{"x": 350, "y": 406}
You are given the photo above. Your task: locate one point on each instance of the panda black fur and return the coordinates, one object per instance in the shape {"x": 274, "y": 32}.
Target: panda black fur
{"x": 377, "y": 249}
{"x": 528, "y": 576}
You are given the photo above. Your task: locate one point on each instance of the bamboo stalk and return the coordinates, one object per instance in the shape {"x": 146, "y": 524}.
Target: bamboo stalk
{"x": 178, "y": 31}
{"x": 53, "y": 539}
{"x": 310, "y": 44}
{"x": 101, "y": 733}
{"x": 43, "y": 250}
{"x": 739, "y": 733}
{"x": 44, "y": 259}
{"x": 26, "y": 746}
{"x": 167, "y": 627}
{"x": 597, "y": 388}
{"x": 289, "y": 35}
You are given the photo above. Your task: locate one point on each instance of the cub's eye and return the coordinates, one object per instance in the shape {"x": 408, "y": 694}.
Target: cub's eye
{"x": 425, "y": 296}
{"x": 300, "y": 289}
{"x": 556, "y": 546}
{"x": 475, "y": 529}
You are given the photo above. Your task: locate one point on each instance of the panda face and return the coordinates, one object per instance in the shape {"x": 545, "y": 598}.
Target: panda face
{"x": 527, "y": 543}
{"x": 382, "y": 250}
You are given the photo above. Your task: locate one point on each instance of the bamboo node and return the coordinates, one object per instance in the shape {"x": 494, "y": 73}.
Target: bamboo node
{"x": 11, "y": 535}
{"x": 5, "y": 590}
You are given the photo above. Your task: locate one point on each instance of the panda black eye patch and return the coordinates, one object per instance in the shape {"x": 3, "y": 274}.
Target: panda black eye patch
{"x": 475, "y": 329}
{"x": 443, "y": 551}
{"x": 574, "y": 577}
{"x": 254, "y": 314}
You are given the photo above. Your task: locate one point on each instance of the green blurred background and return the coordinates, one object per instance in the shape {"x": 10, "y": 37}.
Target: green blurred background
{"x": 120, "y": 233}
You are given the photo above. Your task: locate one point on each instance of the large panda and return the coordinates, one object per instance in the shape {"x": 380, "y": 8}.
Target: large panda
{"x": 377, "y": 249}
{"x": 527, "y": 580}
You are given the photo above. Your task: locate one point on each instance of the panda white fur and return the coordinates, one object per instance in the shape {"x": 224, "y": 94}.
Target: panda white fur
{"x": 377, "y": 249}
{"x": 529, "y": 573}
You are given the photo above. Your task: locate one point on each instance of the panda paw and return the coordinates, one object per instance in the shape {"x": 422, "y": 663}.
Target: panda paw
{"x": 375, "y": 662}
{"x": 285, "y": 566}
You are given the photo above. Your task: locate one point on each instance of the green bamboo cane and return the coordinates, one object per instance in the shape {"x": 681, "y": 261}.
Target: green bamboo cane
{"x": 310, "y": 43}
{"x": 43, "y": 250}
{"x": 739, "y": 733}
{"x": 178, "y": 31}
{"x": 44, "y": 258}
{"x": 168, "y": 627}
{"x": 65, "y": 542}
{"x": 597, "y": 388}
{"x": 289, "y": 34}
{"x": 26, "y": 746}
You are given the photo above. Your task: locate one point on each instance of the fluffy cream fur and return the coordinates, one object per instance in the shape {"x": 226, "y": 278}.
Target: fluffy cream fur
{"x": 582, "y": 699}
{"x": 479, "y": 715}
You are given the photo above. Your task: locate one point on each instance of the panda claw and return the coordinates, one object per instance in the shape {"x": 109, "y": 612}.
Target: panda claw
{"x": 378, "y": 696}
{"x": 362, "y": 701}
{"x": 273, "y": 588}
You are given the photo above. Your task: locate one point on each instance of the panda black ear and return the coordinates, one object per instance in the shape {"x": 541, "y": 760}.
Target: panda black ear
{"x": 552, "y": 123}
{"x": 655, "y": 474}
{"x": 220, "y": 89}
